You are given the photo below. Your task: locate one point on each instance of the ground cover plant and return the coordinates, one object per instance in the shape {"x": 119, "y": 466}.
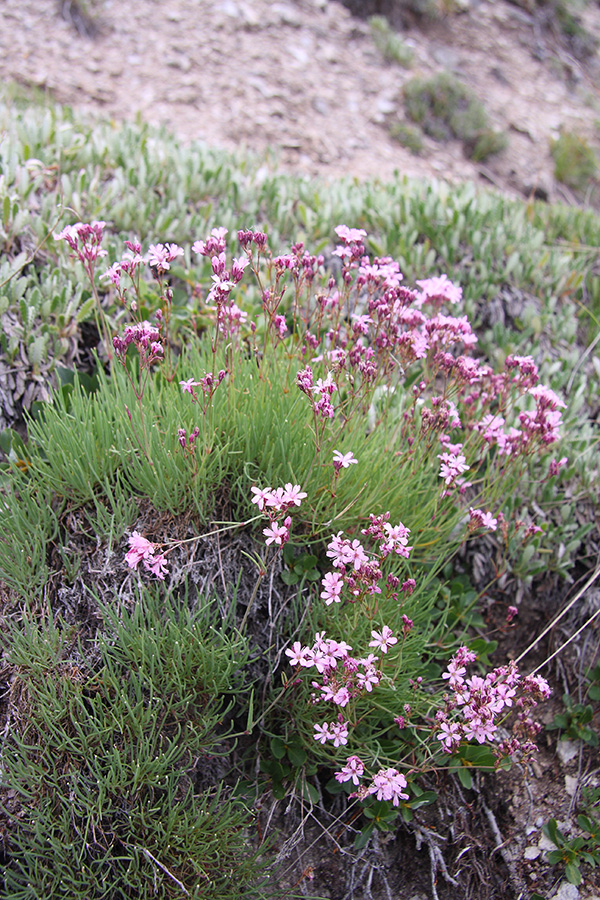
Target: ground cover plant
{"x": 252, "y": 526}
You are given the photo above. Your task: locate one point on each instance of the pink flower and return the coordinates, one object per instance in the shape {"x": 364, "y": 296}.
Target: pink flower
{"x": 322, "y": 733}
{"x": 350, "y": 235}
{"x": 388, "y": 785}
{"x": 455, "y": 674}
{"x": 352, "y": 771}
{"x": 368, "y": 679}
{"x": 452, "y": 466}
{"x": 383, "y": 641}
{"x": 343, "y": 460}
{"x": 160, "y": 256}
{"x": 449, "y": 736}
{"x": 344, "y": 553}
{"x": 299, "y": 655}
{"x": 277, "y": 534}
{"x": 556, "y": 466}
{"x": 157, "y": 565}
{"x": 261, "y": 496}
{"x": 140, "y": 549}
{"x": 341, "y": 697}
{"x": 280, "y": 325}
{"x": 189, "y": 385}
{"x": 440, "y": 288}
{"x": 339, "y": 733}
{"x": 293, "y": 494}
{"x": 333, "y": 584}
{"x": 480, "y": 519}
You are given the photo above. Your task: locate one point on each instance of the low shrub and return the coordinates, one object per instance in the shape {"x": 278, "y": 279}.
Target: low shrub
{"x": 445, "y": 108}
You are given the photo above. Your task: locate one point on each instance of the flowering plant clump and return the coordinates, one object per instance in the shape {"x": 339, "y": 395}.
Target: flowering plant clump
{"x": 355, "y": 361}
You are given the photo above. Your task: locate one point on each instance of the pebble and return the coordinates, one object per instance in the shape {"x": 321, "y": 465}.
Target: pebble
{"x": 566, "y": 891}
{"x": 287, "y": 14}
{"x": 571, "y": 783}
{"x": 566, "y": 751}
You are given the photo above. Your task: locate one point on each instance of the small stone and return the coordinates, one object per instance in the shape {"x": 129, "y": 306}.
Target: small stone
{"x": 566, "y": 891}
{"x": 532, "y": 852}
{"x": 180, "y": 61}
{"x": 446, "y": 57}
{"x": 571, "y": 783}
{"x": 320, "y": 106}
{"x": 566, "y": 751}
{"x": 287, "y": 15}
{"x": 230, "y": 8}
{"x": 385, "y": 105}
{"x": 299, "y": 53}
{"x": 545, "y": 843}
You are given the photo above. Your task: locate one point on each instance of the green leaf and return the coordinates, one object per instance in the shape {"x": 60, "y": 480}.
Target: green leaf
{"x": 363, "y": 836}
{"x": 585, "y": 823}
{"x": 464, "y": 776}
{"x": 288, "y": 554}
{"x": 334, "y": 787}
{"x": 423, "y": 799}
{"x": 290, "y": 577}
{"x": 296, "y": 755}
{"x": 594, "y": 692}
{"x": 483, "y": 649}
{"x": 573, "y": 874}
{"x": 311, "y": 793}
{"x": 306, "y": 562}
{"x": 278, "y": 790}
{"x": 277, "y": 748}
{"x": 85, "y": 310}
{"x": 552, "y": 831}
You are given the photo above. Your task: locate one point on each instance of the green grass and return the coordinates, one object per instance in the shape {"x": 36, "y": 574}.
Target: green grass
{"x": 390, "y": 45}
{"x": 104, "y": 760}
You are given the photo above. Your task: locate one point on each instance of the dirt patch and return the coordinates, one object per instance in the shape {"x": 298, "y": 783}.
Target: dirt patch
{"x": 301, "y": 83}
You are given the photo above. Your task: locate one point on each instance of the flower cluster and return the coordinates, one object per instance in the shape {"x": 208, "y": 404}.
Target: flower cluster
{"x": 230, "y": 316}
{"x": 359, "y": 572}
{"x": 147, "y": 340}
{"x": 208, "y": 383}
{"x": 343, "y": 677}
{"x": 472, "y": 712}
{"x": 319, "y": 393}
{"x": 480, "y": 519}
{"x": 84, "y": 240}
{"x": 275, "y": 504}
{"x": 144, "y": 551}
{"x": 160, "y": 256}
{"x": 387, "y": 784}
